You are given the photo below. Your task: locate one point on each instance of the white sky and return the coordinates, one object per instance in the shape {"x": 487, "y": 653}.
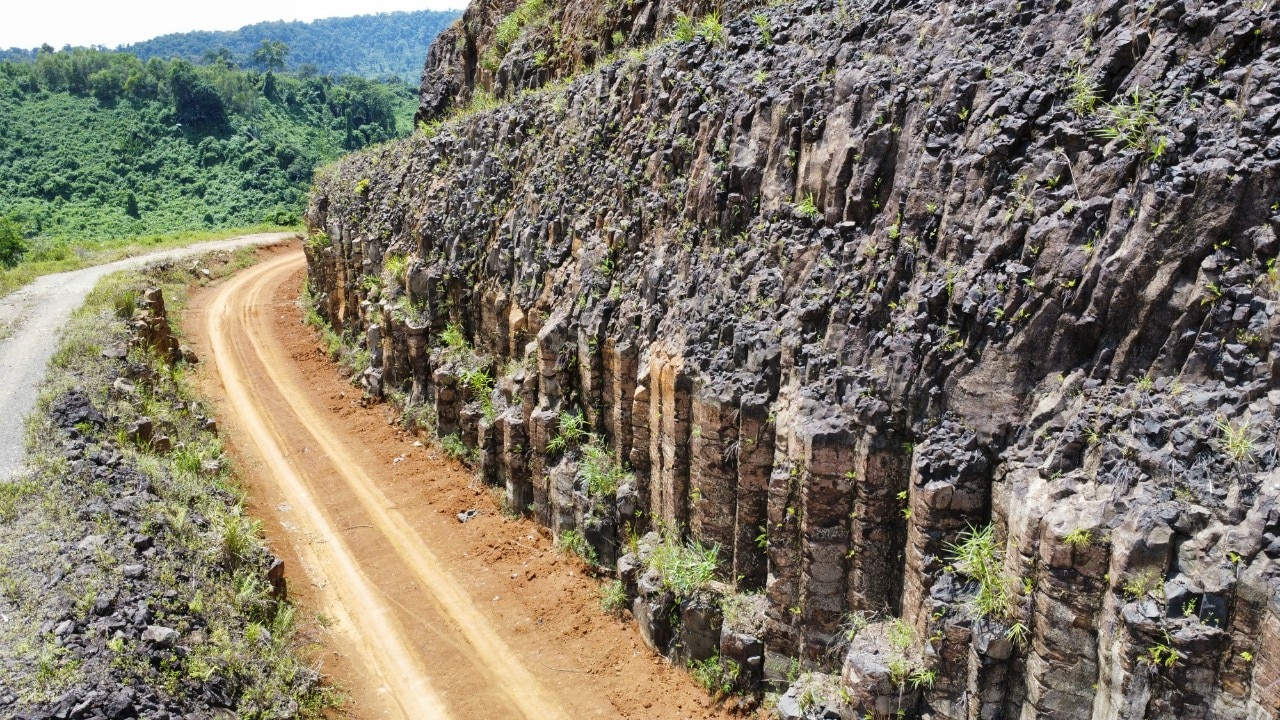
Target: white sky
{"x": 29, "y": 23}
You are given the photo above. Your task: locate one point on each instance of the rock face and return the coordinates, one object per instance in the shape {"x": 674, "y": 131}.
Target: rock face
{"x": 952, "y": 325}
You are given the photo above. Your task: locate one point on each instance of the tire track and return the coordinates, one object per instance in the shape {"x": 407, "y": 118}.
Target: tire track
{"x": 407, "y": 639}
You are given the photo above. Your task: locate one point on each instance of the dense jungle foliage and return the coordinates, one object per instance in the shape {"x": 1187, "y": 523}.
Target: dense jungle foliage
{"x": 97, "y": 145}
{"x": 375, "y": 46}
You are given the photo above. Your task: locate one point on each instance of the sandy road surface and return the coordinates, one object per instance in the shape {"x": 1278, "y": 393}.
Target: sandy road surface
{"x": 435, "y": 618}
{"x": 31, "y": 317}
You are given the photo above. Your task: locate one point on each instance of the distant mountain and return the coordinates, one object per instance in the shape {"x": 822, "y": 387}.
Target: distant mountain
{"x": 374, "y": 46}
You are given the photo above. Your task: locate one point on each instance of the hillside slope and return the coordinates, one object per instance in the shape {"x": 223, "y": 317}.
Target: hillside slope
{"x": 97, "y": 145}
{"x": 952, "y": 325}
{"x": 381, "y": 45}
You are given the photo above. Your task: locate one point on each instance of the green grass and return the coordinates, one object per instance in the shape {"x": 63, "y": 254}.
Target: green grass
{"x": 574, "y": 542}
{"x": 978, "y": 556}
{"x": 602, "y": 474}
{"x": 684, "y": 568}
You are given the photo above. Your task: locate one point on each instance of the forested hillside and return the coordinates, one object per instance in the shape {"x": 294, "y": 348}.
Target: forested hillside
{"x": 97, "y": 145}
{"x": 384, "y": 45}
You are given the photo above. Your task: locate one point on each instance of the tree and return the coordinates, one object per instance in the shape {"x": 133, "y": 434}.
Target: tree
{"x": 270, "y": 55}
{"x": 12, "y": 244}
{"x": 198, "y": 104}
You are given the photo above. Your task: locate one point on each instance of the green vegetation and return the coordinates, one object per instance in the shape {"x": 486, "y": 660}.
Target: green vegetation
{"x": 977, "y": 556}
{"x": 383, "y": 45}
{"x": 509, "y": 30}
{"x": 1147, "y": 582}
{"x": 613, "y": 597}
{"x": 684, "y": 568}
{"x": 718, "y": 677}
{"x": 209, "y": 583}
{"x": 808, "y": 208}
{"x": 1079, "y": 537}
{"x": 573, "y": 541}
{"x": 573, "y": 432}
{"x": 602, "y": 474}
{"x": 1237, "y": 441}
{"x": 100, "y": 146}
{"x": 1135, "y": 122}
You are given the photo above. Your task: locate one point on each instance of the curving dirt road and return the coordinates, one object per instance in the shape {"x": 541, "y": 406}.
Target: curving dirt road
{"x": 369, "y": 516}
{"x": 31, "y": 317}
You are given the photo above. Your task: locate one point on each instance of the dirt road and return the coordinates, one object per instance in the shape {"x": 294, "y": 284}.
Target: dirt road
{"x": 432, "y": 617}
{"x": 31, "y": 317}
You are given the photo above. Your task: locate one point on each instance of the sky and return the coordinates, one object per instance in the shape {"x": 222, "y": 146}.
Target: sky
{"x": 30, "y": 23}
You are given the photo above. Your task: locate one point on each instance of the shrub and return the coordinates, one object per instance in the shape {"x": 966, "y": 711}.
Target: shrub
{"x": 12, "y": 243}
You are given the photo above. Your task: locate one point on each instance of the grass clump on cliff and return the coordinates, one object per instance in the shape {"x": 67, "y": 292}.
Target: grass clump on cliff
{"x": 977, "y": 556}
{"x": 684, "y": 567}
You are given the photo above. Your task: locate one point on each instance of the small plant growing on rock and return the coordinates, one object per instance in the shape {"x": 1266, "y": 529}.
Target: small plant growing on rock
{"x": 1084, "y": 93}
{"x": 976, "y": 555}
{"x": 922, "y": 678}
{"x": 1161, "y": 654}
{"x": 762, "y": 21}
{"x": 1237, "y": 441}
{"x": 453, "y": 446}
{"x": 397, "y": 267}
{"x": 711, "y": 29}
{"x": 716, "y": 677}
{"x": 1134, "y": 122}
{"x": 1143, "y": 584}
{"x": 453, "y": 339}
{"x": 613, "y": 597}
{"x": 1080, "y": 537}
{"x": 575, "y": 542}
{"x": 684, "y": 568}
{"x": 808, "y": 208}
{"x": 602, "y": 474}
{"x": 573, "y": 431}
{"x": 684, "y": 30}
{"x": 1018, "y": 634}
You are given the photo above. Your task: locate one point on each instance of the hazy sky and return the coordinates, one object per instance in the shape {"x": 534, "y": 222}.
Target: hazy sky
{"x": 29, "y": 23}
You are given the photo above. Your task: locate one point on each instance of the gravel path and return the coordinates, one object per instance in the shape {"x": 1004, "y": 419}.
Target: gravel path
{"x": 30, "y": 321}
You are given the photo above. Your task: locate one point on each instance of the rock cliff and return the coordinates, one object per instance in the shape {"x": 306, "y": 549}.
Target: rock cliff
{"x": 952, "y": 326}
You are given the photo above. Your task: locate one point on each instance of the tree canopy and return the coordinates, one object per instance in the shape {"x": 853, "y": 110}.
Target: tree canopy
{"x": 374, "y": 46}
{"x": 97, "y": 144}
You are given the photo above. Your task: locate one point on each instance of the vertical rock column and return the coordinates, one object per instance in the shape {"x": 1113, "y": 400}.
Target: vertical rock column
{"x": 755, "y": 462}
{"x": 878, "y": 531}
{"x": 669, "y": 423}
{"x": 713, "y": 470}
{"x": 949, "y": 491}
{"x": 826, "y": 502}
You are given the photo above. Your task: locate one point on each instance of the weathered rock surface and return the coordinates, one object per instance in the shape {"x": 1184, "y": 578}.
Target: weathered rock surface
{"x": 856, "y": 280}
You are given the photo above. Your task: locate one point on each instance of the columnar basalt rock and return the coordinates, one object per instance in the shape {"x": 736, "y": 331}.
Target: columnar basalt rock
{"x": 850, "y": 286}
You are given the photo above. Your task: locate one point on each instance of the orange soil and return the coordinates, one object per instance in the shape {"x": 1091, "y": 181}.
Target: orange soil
{"x": 429, "y": 617}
